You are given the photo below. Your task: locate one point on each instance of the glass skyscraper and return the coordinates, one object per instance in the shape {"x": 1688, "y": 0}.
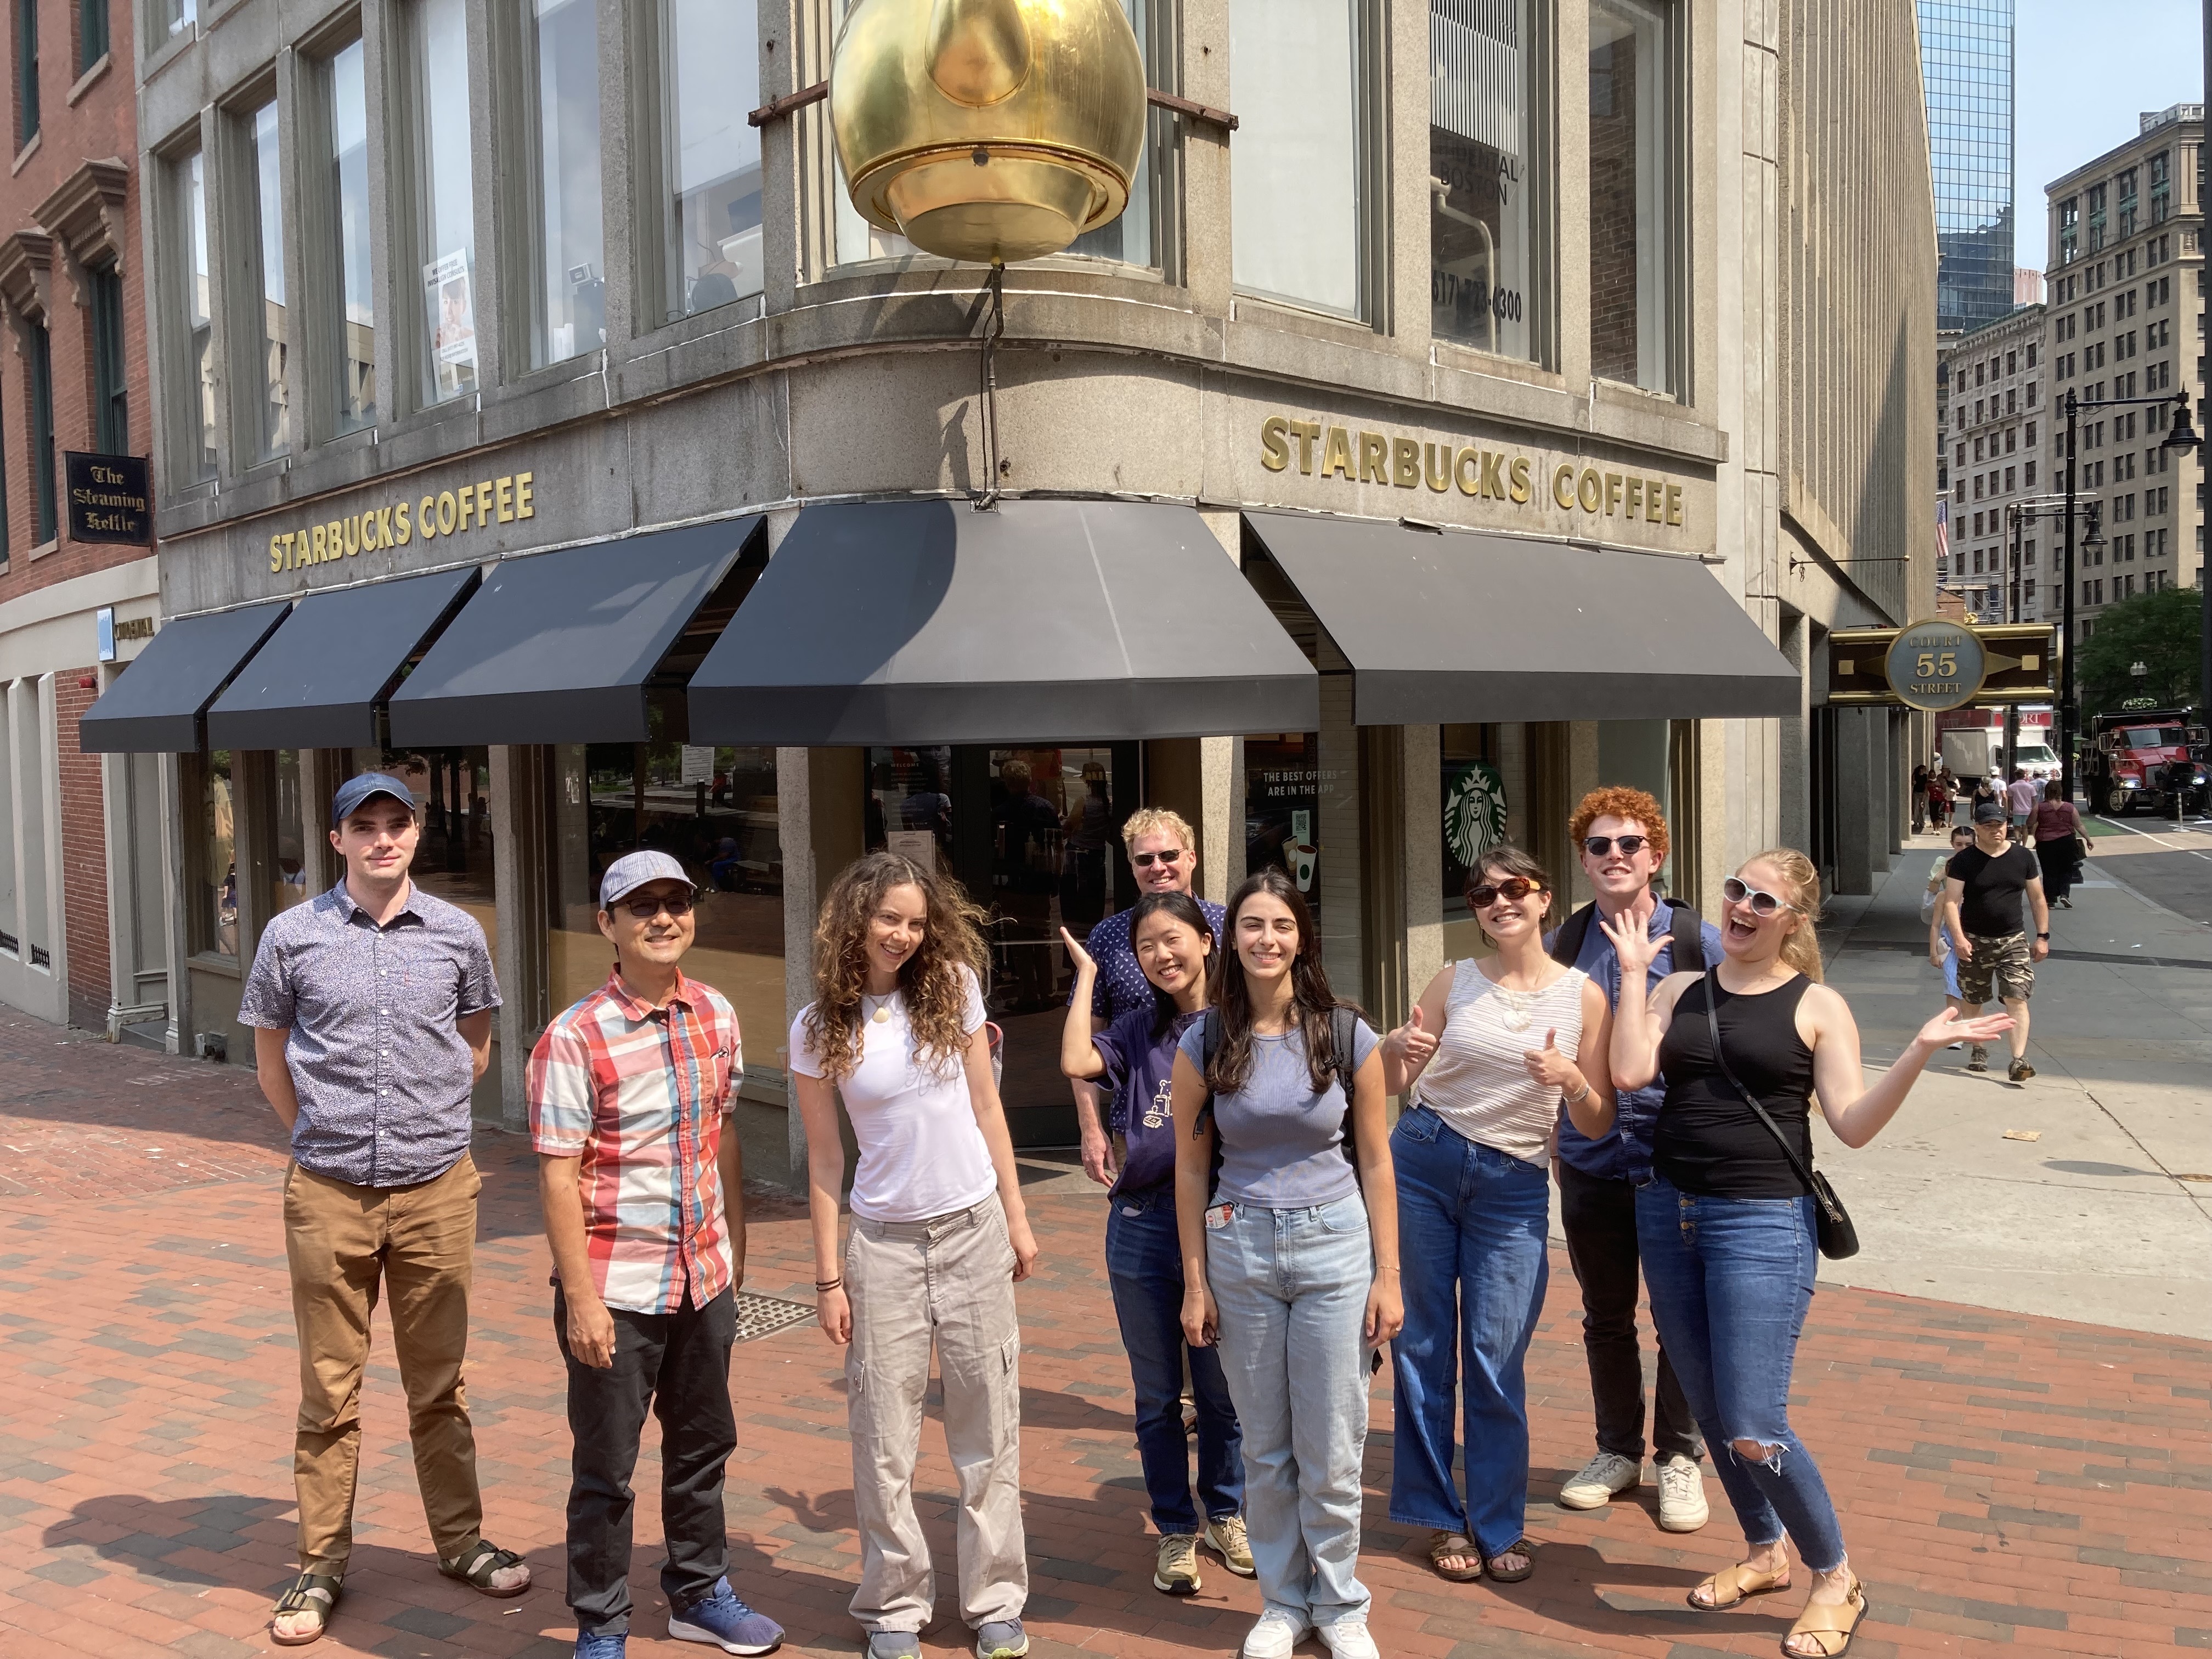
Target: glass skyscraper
{"x": 1967, "y": 66}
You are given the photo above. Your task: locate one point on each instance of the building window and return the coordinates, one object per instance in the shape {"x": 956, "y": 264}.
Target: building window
{"x": 274, "y": 435}
{"x": 1134, "y": 239}
{"x": 349, "y": 296}
{"x": 1488, "y": 185}
{"x": 40, "y": 373}
{"x": 560, "y": 64}
{"x": 26, "y": 71}
{"x": 173, "y": 17}
{"x": 195, "y": 399}
{"x": 709, "y": 184}
{"x": 1297, "y": 187}
{"x": 1632, "y": 155}
{"x": 91, "y": 32}
{"x": 214, "y": 924}
{"x": 111, "y": 395}
{"x": 444, "y": 246}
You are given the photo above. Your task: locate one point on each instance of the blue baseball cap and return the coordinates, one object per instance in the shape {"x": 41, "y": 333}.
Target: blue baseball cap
{"x": 635, "y": 870}
{"x": 354, "y": 791}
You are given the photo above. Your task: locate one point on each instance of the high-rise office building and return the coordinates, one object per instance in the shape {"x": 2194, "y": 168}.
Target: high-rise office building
{"x": 1966, "y": 69}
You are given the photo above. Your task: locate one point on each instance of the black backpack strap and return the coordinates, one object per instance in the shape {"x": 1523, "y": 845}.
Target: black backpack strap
{"x": 1567, "y": 943}
{"x": 1688, "y": 928}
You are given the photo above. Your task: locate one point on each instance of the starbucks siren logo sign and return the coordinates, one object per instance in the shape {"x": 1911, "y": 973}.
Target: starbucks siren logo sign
{"x": 1474, "y": 813}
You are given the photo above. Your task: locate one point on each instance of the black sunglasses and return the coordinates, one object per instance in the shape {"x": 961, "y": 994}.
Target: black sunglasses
{"x": 1513, "y": 887}
{"x": 1598, "y": 846}
{"x": 1737, "y": 891}
{"x": 678, "y": 905}
{"x": 1172, "y": 857}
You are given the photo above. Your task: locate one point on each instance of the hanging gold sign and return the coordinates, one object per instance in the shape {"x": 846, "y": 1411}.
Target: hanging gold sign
{"x": 992, "y": 130}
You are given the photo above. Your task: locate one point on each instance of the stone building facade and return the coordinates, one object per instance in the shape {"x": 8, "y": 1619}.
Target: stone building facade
{"x": 1997, "y": 422}
{"x": 1513, "y": 401}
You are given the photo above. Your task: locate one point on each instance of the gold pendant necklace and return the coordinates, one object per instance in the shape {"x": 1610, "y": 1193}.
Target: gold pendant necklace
{"x": 882, "y": 1012}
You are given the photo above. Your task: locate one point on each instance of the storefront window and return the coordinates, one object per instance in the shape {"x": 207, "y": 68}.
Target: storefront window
{"x": 709, "y": 78}
{"x": 446, "y": 225}
{"x": 197, "y": 395}
{"x": 1631, "y": 194}
{"x": 1282, "y": 809}
{"x": 274, "y": 435}
{"x": 287, "y": 876}
{"x": 1128, "y": 240}
{"x": 215, "y": 927}
{"x": 1296, "y": 200}
{"x": 452, "y": 789}
{"x": 712, "y": 809}
{"x": 1473, "y": 799}
{"x": 1484, "y": 211}
{"x": 561, "y": 54}
{"x": 347, "y": 91}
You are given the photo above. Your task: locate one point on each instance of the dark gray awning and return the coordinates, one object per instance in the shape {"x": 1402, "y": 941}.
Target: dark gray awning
{"x": 559, "y": 647}
{"x": 317, "y": 683}
{"x": 1452, "y": 627}
{"x": 155, "y": 707}
{"x": 929, "y": 622}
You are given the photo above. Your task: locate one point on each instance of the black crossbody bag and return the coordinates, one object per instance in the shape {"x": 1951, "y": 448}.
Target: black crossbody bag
{"x": 1831, "y": 1222}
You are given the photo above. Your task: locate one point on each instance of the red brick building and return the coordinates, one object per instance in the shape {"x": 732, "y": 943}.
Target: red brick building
{"x": 82, "y": 889}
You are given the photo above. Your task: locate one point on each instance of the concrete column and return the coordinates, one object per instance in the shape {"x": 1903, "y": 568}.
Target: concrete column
{"x": 1421, "y": 836}
{"x": 1793, "y": 753}
{"x": 822, "y": 822}
{"x": 174, "y": 928}
{"x": 522, "y": 910}
{"x": 1857, "y": 775}
{"x": 1338, "y": 879}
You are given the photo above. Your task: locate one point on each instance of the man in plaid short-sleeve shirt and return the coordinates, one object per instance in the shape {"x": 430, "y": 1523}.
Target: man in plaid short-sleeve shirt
{"x": 643, "y": 1189}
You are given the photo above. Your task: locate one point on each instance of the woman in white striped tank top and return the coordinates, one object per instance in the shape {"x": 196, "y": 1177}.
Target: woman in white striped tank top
{"x": 1496, "y": 1046}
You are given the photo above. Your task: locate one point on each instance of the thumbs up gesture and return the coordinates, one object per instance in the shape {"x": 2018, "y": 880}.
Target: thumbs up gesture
{"x": 1548, "y": 1067}
{"x": 1416, "y": 1043}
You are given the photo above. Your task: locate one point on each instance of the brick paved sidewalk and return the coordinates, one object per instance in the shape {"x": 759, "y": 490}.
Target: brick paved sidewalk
{"x": 2006, "y": 1482}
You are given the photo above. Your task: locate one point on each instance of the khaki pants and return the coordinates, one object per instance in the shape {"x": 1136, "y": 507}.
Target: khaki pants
{"x": 344, "y": 1242}
{"x": 949, "y": 1278}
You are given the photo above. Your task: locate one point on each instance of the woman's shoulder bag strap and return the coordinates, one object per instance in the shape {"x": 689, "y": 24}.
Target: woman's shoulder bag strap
{"x": 1838, "y": 1237}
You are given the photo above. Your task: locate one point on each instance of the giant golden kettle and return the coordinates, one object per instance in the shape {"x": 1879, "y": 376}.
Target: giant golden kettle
{"x": 988, "y": 129}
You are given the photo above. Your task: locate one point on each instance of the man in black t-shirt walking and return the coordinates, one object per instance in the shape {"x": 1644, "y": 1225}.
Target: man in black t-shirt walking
{"x": 1983, "y": 887}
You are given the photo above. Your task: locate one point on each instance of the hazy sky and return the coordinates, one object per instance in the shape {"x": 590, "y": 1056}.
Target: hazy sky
{"x": 2083, "y": 72}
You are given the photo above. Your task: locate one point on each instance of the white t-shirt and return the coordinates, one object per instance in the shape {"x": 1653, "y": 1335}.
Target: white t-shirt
{"x": 921, "y": 1155}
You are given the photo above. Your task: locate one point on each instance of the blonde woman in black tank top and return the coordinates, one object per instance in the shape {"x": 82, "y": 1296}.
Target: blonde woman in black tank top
{"x": 1725, "y": 1226}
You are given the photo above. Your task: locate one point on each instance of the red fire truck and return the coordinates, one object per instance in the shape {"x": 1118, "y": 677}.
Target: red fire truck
{"x": 2140, "y": 760}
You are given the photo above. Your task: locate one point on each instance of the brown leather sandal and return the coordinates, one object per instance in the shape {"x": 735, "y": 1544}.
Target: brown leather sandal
{"x": 1523, "y": 1547}
{"x": 1832, "y": 1627}
{"x": 1733, "y": 1586}
{"x": 1444, "y": 1544}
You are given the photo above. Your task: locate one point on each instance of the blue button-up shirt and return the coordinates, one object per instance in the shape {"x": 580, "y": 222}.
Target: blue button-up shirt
{"x": 1624, "y": 1153}
{"x": 378, "y": 1060}
{"x": 1122, "y": 984}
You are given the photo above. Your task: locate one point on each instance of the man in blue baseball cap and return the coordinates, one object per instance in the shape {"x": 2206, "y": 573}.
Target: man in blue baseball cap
{"x": 372, "y": 1008}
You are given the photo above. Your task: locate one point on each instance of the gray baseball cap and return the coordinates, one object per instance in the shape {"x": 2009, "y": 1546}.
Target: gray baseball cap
{"x": 354, "y": 791}
{"x": 635, "y": 870}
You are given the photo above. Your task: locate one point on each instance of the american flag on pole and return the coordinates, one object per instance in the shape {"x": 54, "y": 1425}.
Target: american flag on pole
{"x": 1943, "y": 530}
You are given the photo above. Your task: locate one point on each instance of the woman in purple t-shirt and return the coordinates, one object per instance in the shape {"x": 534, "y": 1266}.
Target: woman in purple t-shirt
{"x": 1134, "y": 1059}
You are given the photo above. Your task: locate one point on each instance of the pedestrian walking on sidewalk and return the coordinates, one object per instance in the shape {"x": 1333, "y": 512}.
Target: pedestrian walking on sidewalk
{"x": 940, "y": 1236}
{"x": 1726, "y": 1221}
{"x": 1984, "y": 886}
{"x": 1921, "y": 774}
{"x": 1290, "y": 1260}
{"x": 2021, "y": 796}
{"x": 1134, "y": 1058}
{"x": 2061, "y": 843}
{"x": 372, "y": 1011}
{"x": 1941, "y": 952}
{"x": 1495, "y": 1047}
{"x": 1621, "y": 836}
{"x": 1163, "y": 853}
{"x": 643, "y": 1189}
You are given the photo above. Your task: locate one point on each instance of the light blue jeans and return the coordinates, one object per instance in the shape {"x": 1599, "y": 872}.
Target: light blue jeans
{"x": 1292, "y": 1286}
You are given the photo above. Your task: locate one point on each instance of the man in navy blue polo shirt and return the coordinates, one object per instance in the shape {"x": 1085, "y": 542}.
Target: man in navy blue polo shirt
{"x": 1163, "y": 857}
{"x": 1621, "y": 837}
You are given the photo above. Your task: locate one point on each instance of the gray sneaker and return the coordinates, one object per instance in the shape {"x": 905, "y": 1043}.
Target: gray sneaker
{"x": 1977, "y": 1059}
{"x": 893, "y": 1644}
{"x": 1002, "y": 1638}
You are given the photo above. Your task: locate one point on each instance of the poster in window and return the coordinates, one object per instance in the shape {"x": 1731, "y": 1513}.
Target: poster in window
{"x": 450, "y": 303}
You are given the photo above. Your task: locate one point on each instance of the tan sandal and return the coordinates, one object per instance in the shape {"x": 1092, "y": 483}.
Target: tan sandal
{"x": 312, "y": 1592}
{"x": 1825, "y": 1624}
{"x": 1733, "y": 1586}
{"x": 1443, "y": 1544}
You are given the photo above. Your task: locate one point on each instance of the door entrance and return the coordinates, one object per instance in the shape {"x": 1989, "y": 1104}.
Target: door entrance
{"x": 1034, "y": 835}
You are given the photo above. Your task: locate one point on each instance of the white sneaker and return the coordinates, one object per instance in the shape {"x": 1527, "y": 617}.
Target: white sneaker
{"x": 1347, "y": 1638}
{"x": 1604, "y": 1478}
{"x": 1683, "y": 1506}
{"x": 1275, "y": 1635}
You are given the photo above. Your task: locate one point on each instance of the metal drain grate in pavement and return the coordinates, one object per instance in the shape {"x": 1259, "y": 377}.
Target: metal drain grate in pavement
{"x": 764, "y": 1315}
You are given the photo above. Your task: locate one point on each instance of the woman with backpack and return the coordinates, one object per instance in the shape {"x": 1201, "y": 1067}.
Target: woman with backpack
{"x": 940, "y": 1236}
{"x": 1495, "y": 1046}
{"x": 1134, "y": 1058}
{"x": 1290, "y": 1252}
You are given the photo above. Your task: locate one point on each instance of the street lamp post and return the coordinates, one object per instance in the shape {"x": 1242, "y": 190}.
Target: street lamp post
{"x": 2180, "y": 438}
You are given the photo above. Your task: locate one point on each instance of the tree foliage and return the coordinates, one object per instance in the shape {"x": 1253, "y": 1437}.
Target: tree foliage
{"x": 2159, "y": 630}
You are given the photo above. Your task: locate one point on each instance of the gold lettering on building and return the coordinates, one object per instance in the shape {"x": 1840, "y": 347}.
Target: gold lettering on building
{"x": 502, "y": 500}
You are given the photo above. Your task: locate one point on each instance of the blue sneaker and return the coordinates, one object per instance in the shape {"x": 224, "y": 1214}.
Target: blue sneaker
{"x": 719, "y": 1618}
{"x": 600, "y": 1644}
{"x": 1002, "y": 1638}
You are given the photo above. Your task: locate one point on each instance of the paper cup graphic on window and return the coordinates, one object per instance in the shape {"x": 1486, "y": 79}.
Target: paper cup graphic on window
{"x": 1302, "y": 856}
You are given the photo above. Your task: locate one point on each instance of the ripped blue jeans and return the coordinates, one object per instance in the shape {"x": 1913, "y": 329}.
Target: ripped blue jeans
{"x": 1730, "y": 1280}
